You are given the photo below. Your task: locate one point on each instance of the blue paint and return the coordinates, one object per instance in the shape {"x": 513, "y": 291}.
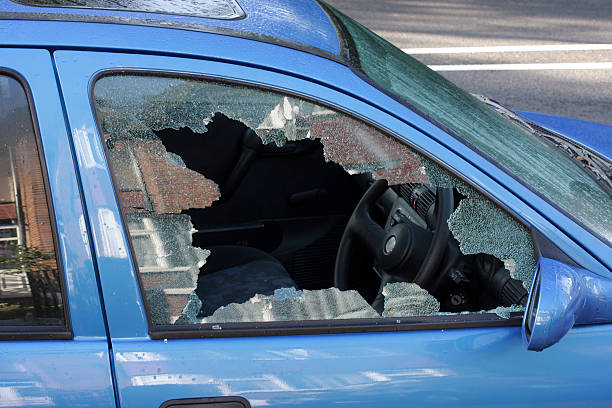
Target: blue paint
{"x": 437, "y": 368}
{"x": 302, "y": 22}
{"x": 55, "y": 374}
{"x": 467, "y": 367}
{"x": 422, "y": 368}
{"x": 124, "y": 307}
{"x": 83, "y": 300}
{"x": 563, "y": 296}
{"x": 59, "y": 373}
{"x": 596, "y": 136}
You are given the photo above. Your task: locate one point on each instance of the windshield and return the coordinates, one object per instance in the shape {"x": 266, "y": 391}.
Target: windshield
{"x": 533, "y": 160}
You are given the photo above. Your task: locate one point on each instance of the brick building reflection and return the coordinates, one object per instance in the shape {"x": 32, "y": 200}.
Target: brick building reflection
{"x": 29, "y": 273}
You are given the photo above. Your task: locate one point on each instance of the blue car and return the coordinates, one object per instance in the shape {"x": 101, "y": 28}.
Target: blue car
{"x": 244, "y": 203}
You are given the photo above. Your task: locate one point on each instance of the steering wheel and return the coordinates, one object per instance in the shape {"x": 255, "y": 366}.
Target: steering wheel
{"x": 405, "y": 252}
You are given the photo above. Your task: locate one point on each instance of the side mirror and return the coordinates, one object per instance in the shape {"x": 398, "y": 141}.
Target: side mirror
{"x": 561, "y": 296}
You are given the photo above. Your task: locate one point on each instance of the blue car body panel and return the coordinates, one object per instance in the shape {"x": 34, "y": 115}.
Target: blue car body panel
{"x": 435, "y": 367}
{"x": 300, "y": 22}
{"x": 486, "y": 367}
{"x": 56, "y": 374}
{"x": 76, "y": 73}
{"x": 459, "y": 367}
{"x": 595, "y": 136}
{"x": 59, "y": 373}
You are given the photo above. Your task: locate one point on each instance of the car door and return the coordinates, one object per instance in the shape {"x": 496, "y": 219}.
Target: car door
{"x": 53, "y": 343}
{"x": 464, "y": 360}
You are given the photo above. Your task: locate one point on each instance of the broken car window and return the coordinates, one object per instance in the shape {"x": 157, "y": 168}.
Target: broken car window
{"x": 236, "y": 200}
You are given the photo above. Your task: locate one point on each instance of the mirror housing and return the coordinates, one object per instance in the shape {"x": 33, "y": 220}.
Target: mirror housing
{"x": 561, "y": 296}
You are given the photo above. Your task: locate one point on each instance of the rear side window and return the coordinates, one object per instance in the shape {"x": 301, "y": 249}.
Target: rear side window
{"x": 30, "y": 288}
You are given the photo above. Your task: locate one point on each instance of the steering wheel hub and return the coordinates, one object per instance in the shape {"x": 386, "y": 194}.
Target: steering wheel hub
{"x": 390, "y": 244}
{"x": 403, "y": 250}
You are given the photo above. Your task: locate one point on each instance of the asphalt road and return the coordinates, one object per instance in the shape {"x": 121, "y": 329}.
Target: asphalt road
{"x": 527, "y": 52}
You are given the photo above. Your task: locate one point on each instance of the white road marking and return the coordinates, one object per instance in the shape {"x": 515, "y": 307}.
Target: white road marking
{"x": 523, "y": 67}
{"x": 509, "y": 48}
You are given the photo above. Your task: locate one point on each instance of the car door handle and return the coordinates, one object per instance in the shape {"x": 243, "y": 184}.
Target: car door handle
{"x": 211, "y": 402}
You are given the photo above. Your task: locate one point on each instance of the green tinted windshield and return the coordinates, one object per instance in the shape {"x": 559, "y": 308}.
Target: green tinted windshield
{"x": 531, "y": 159}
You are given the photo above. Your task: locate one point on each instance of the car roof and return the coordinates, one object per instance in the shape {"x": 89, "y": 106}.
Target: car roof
{"x": 301, "y": 24}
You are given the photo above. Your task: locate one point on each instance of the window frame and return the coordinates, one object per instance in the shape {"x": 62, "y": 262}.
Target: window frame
{"x": 34, "y": 332}
{"x": 297, "y": 327}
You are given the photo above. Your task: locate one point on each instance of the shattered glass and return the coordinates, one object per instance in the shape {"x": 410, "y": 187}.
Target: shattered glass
{"x": 172, "y": 187}
{"x": 290, "y": 304}
{"x": 481, "y": 226}
{"x": 408, "y": 299}
{"x": 169, "y": 265}
{"x": 501, "y": 311}
{"x": 404, "y": 299}
{"x": 169, "y": 103}
{"x": 155, "y": 187}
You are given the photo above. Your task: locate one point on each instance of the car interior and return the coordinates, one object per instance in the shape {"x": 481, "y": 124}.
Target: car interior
{"x": 283, "y": 212}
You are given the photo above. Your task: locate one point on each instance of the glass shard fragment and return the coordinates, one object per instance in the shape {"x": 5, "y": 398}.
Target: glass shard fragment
{"x": 404, "y": 299}
{"x": 168, "y": 263}
{"x": 289, "y": 304}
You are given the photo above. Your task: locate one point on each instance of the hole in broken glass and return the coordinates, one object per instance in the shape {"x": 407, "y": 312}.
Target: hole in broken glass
{"x": 158, "y": 181}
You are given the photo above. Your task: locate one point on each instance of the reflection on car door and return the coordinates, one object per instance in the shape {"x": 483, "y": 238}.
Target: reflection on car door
{"x": 53, "y": 348}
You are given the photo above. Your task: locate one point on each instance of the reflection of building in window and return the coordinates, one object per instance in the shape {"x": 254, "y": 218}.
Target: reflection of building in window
{"x": 24, "y": 215}
{"x": 33, "y": 198}
{"x": 13, "y": 285}
{"x": 29, "y": 275}
{"x": 10, "y": 226}
{"x": 169, "y": 265}
{"x": 154, "y": 185}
